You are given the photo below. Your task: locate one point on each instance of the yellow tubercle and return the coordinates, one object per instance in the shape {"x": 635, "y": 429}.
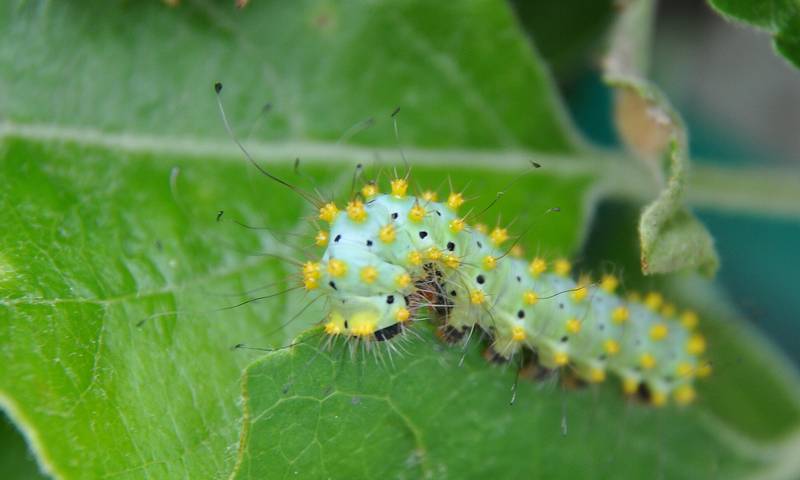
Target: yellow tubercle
{"x": 399, "y": 187}
{"x": 518, "y": 333}
{"x": 369, "y": 274}
{"x": 620, "y": 315}
{"x": 561, "y": 358}
{"x": 489, "y": 262}
{"x": 517, "y": 251}
{"x": 369, "y": 190}
{"x": 689, "y": 320}
{"x": 456, "y": 225}
{"x": 562, "y": 267}
{"x": 356, "y": 211}
{"x": 630, "y": 386}
{"x": 311, "y": 275}
{"x": 658, "y": 398}
{"x": 402, "y": 281}
{"x": 647, "y": 361}
{"x": 312, "y": 270}
{"x": 580, "y": 293}
{"x": 479, "y": 227}
{"x": 430, "y": 196}
{"x": 659, "y": 331}
{"x": 328, "y": 212}
{"x": 684, "y": 395}
{"x": 477, "y": 297}
{"x": 530, "y": 297}
{"x": 573, "y": 325}
{"x": 414, "y": 258}
{"x": 684, "y": 370}
{"x": 363, "y": 323}
{"x": 455, "y": 200}
{"x": 609, "y": 283}
{"x": 433, "y": 254}
{"x": 336, "y": 267}
{"x": 451, "y": 261}
{"x": 704, "y": 370}
{"x": 402, "y": 315}
{"x": 498, "y": 236}
{"x": 668, "y": 310}
{"x": 417, "y": 213}
{"x": 611, "y": 347}
{"x": 597, "y": 375}
{"x": 696, "y": 344}
{"x": 331, "y": 328}
{"x": 310, "y": 283}
{"x": 387, "y": 233}
{"x": 633, "y": 296}
{"x": 537, "y": 267}
{"x": 321, "y": 238}
{"x": 363, "y": 329}
{"x": 653, "y": 301}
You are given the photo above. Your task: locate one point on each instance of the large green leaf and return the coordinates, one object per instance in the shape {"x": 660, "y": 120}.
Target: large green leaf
{"x": 115, "y": 272}
{"x": 112, "y": 335}
{"x": 367, "y": 415}
{"x": 116, "y": 356}
{"x": 131, "y": 68}
{"x": 322, "y": 414}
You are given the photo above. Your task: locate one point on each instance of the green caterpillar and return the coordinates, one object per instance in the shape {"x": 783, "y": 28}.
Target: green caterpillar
{"x": 391, "y": 258}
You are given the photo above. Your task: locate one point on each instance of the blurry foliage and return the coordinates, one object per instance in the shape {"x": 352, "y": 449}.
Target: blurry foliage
{"x": 779, "y": 18}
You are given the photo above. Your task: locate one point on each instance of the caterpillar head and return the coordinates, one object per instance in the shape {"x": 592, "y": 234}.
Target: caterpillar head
{"x": 365, "y": 317}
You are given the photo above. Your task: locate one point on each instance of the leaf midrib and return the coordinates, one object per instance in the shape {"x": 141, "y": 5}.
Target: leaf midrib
{"x": 617, "y": 175}
{"x": 317, "y": 152}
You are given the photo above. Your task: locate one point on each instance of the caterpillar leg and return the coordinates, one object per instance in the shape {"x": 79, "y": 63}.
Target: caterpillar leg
{"x": 387, "y": 333}
{"x": 450, "y": 334}
{"x": 493, "y": 356}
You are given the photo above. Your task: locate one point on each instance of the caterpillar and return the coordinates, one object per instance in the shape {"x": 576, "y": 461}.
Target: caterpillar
{"x": 392, "y": 259}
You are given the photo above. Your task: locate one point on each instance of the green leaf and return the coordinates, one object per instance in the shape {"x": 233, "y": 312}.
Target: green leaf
{"x": 367, "y": 415}
{"x": 111, "y": 327}
{"x": 323, "y": 65}
{"x": 320, "y": 413}
{"x": 117, "y": 272}
{"x": 113, "y": 271}
{"x": 779, "y": 18}
{"x": 671, "y": 237}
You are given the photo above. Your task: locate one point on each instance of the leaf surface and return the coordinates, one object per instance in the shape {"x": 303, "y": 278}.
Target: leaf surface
{"x": 120, "y": 279}
{"x": 116, "y": 279}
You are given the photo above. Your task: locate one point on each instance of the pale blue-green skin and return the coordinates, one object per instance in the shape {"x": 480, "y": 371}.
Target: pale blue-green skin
{"x": 545, "y": 322}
